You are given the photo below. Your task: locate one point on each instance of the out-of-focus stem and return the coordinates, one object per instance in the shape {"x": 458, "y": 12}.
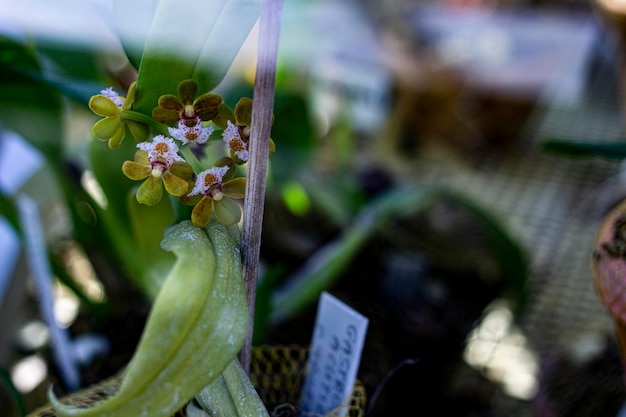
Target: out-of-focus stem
{"x": 262, "y": 106}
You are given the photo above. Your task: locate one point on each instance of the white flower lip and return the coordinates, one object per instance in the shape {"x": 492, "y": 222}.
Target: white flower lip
{"x": 201, "y": 186}
{"x": 196, "y": 134}
{"x": 161, "y": 150}
{"x": 113, "y": 96}
{"x": 233, "y": 140}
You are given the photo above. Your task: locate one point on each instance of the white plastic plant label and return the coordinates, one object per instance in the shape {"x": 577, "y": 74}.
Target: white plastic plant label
{"x": 334, "y": 357}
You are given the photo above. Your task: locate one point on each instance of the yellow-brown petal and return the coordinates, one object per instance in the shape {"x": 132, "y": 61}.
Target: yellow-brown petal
{"x": 208, "y": 106}
{"x": 103, "y": 106}
{"x": 202, "y": 212}
{"x": 150, "y": 192}
{"x": 116, "y": 140}
{"x": 174, "y": 185}
{"x": 243, "y": 111}
{"x": 187, "y": 91}
{"x": 105, "y": 129}
{"x": 182, "y": 170}
{"x": 170, "y": 102}
{"x": 136, "y": 171}
{"x": 235, "y": 188}
{"x": 225, "y": 113}
{"x": 165, "y": 116}
{"x": 227, "y": 211}
{"x": 130, "y": 96}
{"x": 140, "y": 131}
{"x": 227, "y": 162}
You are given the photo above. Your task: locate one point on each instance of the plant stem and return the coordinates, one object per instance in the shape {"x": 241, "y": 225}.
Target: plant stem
{"x": 262, "y": 105}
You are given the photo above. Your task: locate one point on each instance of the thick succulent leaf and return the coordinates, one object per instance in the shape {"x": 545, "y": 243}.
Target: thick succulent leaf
{"x": 196, "y": 327}
{"x": 202, "y": 46}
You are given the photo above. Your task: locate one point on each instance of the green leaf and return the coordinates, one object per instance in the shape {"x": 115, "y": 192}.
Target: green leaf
{"x": 615, "y": 150}
{"x": 133, "y": 21}
{"x": 147, "y": 225}
{"x": 197, "y": 325}
{"x": 27, "y": 106}
{"x": 326, "y": 265}
{"x": 201, "y": 46}
{"x": 508, "y": 253}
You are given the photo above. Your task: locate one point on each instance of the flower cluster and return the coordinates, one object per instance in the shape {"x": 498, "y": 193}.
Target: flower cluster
{"x": 159, "y": 162}
{"x": 113, "y": 108}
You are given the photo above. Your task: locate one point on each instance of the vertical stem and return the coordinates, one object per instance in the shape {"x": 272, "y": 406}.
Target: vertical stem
{"x": 262, "y": 105}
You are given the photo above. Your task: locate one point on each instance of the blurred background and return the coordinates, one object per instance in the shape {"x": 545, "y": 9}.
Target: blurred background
{"x": 409, "y": 181}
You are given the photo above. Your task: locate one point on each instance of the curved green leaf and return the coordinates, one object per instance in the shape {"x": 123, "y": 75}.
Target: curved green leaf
{"x": 200, "y": 46}
{"x": 133, "y": 20}
{"x": 196, "y": 327}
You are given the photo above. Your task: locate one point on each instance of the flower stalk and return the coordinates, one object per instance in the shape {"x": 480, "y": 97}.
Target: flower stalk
{"x": 263, "y": 103}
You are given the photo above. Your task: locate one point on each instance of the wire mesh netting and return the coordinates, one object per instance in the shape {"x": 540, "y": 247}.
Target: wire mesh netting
{"x": 277, "y": 373}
